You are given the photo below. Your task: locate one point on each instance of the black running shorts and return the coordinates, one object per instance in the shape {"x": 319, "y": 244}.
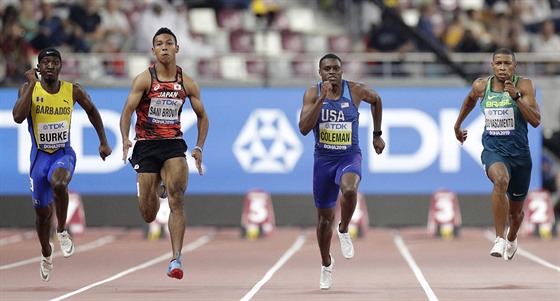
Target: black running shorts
{"x": 148, "y": 156}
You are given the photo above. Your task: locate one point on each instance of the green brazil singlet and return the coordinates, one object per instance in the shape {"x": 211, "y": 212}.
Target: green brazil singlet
{"x": 505, "y": 130}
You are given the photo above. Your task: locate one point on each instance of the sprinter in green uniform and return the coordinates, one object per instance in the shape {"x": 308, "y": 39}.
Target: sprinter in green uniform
{"x": 508, "y": 102}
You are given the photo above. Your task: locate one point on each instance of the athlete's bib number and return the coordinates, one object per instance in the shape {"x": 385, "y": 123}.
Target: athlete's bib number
{"x": 52, "y": 135}
{"x": 164, "y": 110}
{"x": 499, "y": 121}
{"x": 335, "y": 134}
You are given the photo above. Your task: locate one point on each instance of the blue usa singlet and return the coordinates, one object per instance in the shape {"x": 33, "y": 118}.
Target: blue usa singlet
{"x": 505, "y": 130}
{"x": 336, "y": 131}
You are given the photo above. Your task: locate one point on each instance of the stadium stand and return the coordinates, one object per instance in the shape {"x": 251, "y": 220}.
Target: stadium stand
{"x": 223, "y": 33}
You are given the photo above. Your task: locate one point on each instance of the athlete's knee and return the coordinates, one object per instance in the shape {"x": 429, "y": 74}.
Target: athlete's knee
{"x": 176, "y": 195}
{"x": 43, "y": 215}
{"x": 148, "y": 215}
{"x": 149, "y": 209}
{"x": 349, "y": 194}
{"x": 501, "y": 182}
{"x": 59, "y": 187}
{"x": 324, "y": 222}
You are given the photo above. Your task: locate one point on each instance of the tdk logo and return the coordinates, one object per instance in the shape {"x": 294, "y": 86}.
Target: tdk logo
{"x": 53, "y": 126}
{"x": 337, "y": 126}
{"x": 498, "y": 112}
{"x": 267, "y": 143}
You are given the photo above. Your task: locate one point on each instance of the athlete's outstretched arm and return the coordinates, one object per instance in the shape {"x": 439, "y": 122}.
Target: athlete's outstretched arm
{"x": 140, "y": 85}
{"x": 82, "y": 98}
{"x": 193, "y": 91}
{"x": 469, "y": 103}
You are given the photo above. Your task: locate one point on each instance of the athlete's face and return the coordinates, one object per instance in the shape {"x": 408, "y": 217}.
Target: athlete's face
{"x": 503, "y": 66}
{"x": 165, "y": 48}
{"x": 49, "y": 68}
{"x": 331, "y": 70}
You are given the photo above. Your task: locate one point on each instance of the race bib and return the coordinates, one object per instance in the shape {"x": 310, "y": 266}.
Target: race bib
{"x": 164, "y": 110}
{"x": 53, "y": 135}
{"x": 335, "y": 135}
{"x": 499, "y": 122}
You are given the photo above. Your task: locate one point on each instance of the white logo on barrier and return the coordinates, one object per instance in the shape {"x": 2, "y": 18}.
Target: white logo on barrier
{"x": 267, "y": 143}
{"x": 437, "y": 141}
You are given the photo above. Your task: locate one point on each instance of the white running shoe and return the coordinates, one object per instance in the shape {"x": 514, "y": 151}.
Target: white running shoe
{"x": 326, "y": 276}
{"x": 46, "y": 268}
{"x": 499, "y": 246}
{"x": 511, "y": 248}
{"x": 345, "y": 243}
{"x": 66, "y": 245}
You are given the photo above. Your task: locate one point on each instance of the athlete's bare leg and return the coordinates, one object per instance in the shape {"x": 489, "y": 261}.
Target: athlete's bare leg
{"x": 148, "y": 201}
{"x": 516, "y": 215}
{"x": 349, "y": 187}
{"x": 43, "y": 220}
{"x": 175, "y": 177}
{"x": 325, "y": 220}
{"x": 500, "y": 206}
{"x": 59, "y": 181}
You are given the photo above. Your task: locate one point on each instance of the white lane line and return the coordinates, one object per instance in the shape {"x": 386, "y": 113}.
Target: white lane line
{"x": 81, "y": 248}
{"x": 491, "y": 236}
{"x": 17, "y": 238}
{"x": 412, "y": 264}
{"x": 285, "y": 257}
{"x": 192, "y": 246}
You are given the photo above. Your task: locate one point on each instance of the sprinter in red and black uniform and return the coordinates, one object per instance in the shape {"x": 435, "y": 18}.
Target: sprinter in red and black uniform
{"x": 157, "y": 95}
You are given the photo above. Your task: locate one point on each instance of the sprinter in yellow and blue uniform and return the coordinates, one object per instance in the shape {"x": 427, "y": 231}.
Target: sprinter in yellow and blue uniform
{"x": 508, "y": 103}
{"x": 47, "y": 104}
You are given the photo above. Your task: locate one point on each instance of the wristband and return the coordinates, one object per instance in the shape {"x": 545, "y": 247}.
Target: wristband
{"x": 377, "y": 133}
{"x": 199, "y": 148}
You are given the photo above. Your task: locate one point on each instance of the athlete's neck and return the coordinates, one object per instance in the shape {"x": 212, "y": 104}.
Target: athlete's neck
{"x": 498, "y": 85}
{"x": 335, "y": 92}
{"x": 51, "y": 85}
{"x": 166, "y": 72}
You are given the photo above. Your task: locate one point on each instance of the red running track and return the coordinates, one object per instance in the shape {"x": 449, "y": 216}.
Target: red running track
{"x": 119, "y": 264}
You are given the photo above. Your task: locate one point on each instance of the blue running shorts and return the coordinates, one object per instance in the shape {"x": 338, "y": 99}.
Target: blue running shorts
{"x": 327, "y": 172}
{"x": 41, "y": 172}
{"x": 519, "y": 170}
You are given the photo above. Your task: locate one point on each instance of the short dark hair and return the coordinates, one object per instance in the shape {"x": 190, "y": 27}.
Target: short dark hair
{"x": 329, "y": 56}
{"x": 506, "y": 51}
{"x": 164, "y": 30}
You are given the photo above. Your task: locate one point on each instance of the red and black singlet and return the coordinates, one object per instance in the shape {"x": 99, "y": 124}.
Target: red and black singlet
{"x": 159, "y": 112}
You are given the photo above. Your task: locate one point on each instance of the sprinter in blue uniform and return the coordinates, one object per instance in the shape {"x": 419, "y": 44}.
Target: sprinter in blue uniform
{"x": 330, "y": 109}
{"x": 508, "y": 103}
